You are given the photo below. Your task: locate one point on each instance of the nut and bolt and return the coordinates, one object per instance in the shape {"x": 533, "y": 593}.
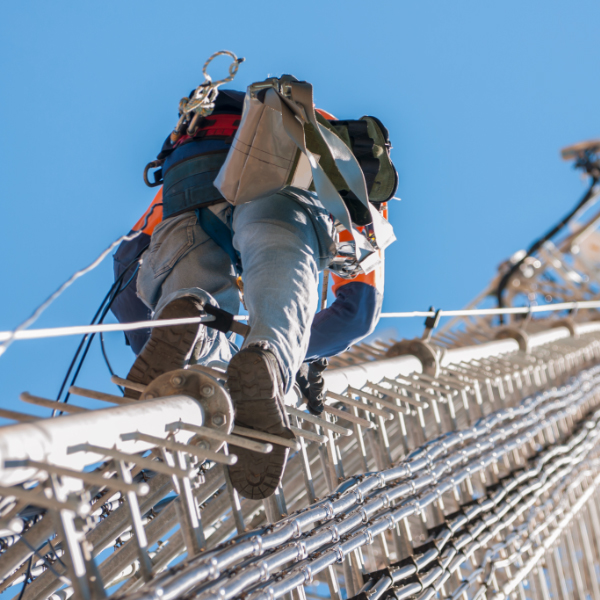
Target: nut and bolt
{"x": 202, "y": 445}
{"x": 218, "y": 419}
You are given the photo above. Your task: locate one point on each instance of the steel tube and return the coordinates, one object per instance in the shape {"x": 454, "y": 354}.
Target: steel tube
{"x": 48, "y": 440}
{"x": 100, "y": 537}
{"x": 583, "y": 328}
{"x": 547, "y": 337}
{"x": 213, "y": 434}
{"x": 357, "y": 376}
{"x": 485, "y": 350}
{"x": 338, "y": 380}
{"x": 431, "y": 474}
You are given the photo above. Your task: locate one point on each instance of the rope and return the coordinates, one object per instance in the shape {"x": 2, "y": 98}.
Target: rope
{"x": 517, "y": 310}
{"x": 34, "y": 334}
{"x": 13, "y": 335}
{"x": 51, "y": 332}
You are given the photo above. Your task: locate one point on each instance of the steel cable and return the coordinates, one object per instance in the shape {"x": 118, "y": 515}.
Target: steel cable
{"x": 33, "y": 334}
{"x": 8, "y": 337}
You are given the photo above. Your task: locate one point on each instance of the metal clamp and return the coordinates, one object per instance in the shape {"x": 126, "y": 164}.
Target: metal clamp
{"x": 507, "y": 333}
{"x": 421, "y": 349}
{"x": 158, "y": 178}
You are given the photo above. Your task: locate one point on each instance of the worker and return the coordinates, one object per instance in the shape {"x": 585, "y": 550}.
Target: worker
{"x": 350, "y": 318}
{"x": 197, "y": 247}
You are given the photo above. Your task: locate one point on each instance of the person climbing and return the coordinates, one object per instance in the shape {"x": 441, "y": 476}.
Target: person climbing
{"x": 278, "y": 243}
{"x": 351, "y": 317}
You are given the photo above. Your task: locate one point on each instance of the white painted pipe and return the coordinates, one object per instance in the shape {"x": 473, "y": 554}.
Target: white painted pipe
{"x": 547, "y": 337}
{"x": 485, "y": 350}
{"x": 583, "y": 328}
{"x": 47, "y": 440}
{"x": 338, "y": 380}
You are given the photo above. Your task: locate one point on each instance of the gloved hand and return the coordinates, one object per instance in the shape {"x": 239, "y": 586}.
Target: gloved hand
{"x": 312, "y": 385}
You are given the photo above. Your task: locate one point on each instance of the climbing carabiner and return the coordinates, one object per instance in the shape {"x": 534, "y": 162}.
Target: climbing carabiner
{"x": 202, "y": 101}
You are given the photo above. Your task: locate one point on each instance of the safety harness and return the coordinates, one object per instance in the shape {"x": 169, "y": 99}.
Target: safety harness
{"x": 195, "y": 151}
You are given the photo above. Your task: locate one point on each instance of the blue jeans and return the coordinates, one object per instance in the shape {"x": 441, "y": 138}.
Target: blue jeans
{"x": 283, "y": 240}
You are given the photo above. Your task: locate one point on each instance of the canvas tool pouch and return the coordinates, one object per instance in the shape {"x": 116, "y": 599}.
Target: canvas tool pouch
{"x": 269, "y": 152}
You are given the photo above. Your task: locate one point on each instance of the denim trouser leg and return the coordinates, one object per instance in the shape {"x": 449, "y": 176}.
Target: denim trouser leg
{"x": 283, "y": 241}
{"x": 277, "y": 241}
{"x": 182, "y": 260}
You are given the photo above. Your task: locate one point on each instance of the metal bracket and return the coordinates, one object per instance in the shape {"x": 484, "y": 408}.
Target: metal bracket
{"x": 430, "y": 324}
{"x": 507, "y": 333}
{"x": 218, "y": 409}
{"x": 426, "y": 352}
{"x": 569, "y": 324}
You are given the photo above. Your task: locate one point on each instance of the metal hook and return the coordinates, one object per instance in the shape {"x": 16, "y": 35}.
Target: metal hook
{"x": 430, "y": 324}
{"x": 233, "y": 67}
{"x": 202, "y": 101}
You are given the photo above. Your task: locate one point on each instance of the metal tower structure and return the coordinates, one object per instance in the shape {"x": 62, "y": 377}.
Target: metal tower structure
{"x": 461, "y": 465}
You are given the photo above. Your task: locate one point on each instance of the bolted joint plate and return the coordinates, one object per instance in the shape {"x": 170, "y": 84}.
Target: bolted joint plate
{"x": 426, "y": 352}
{"x": 214, "y": 399}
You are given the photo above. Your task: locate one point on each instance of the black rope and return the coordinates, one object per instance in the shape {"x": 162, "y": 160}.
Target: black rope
{"x": 115, "y": 290}
{"x": 102, "y": 311}
{"x": 48, "y": 563}
{"x": 102, "y": 346}
{"x": 58, "y": 558}
{"x": 105, "y": 356}
{"x": 83, "y": 340}
{"x": 27, "y": 576}
{"x": 89, "y": 338}
{"x": 539, "y": 243}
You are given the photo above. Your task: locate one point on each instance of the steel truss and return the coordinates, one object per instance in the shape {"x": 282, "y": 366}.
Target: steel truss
{"x": 470, "y": 476}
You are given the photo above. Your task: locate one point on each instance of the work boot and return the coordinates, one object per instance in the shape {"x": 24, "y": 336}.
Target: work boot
{"x": 168, "y": 348}
{"x": 256, "y": 388}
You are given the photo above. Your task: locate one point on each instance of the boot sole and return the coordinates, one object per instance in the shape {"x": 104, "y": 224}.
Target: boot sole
{"x": 168, "y": 347}
{"x": 253, "y": 389}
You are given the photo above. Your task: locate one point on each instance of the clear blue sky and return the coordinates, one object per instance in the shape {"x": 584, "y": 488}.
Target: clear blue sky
{"x": 478, "y": 97}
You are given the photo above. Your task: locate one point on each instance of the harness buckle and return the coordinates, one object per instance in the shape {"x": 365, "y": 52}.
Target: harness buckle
{"x": 158, "y": 179}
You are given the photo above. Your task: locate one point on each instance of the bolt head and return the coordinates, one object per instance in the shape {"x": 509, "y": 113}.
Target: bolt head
{"x": 177, "y": 380}
{"x": 207, "y": 390}
{"x": 202, "y": 445}
{"x": 218, "y": 419}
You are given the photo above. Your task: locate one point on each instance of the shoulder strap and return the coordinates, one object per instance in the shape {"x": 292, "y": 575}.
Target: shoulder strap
{"x": 298, "y": 109}
{"x": 219, "y": 233}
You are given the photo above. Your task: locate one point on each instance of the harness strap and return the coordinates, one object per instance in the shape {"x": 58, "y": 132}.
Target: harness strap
{"x": 189, "y": 184}
{"x": 220, "y": 235}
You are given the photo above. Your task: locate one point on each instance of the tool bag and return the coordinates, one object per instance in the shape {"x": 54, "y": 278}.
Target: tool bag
{"x": 280, "y": 142}
{"x": 370, "y": 143}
